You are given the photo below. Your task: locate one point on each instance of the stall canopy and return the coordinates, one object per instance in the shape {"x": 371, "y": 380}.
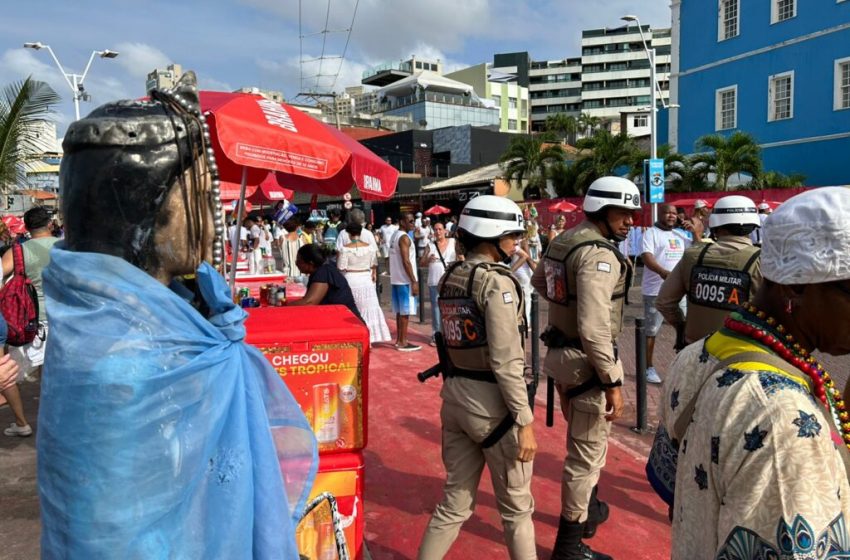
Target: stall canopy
{"x": 270, "y": 192}
{"x": 253, "y": 135}
{"x": 15, "y": 224}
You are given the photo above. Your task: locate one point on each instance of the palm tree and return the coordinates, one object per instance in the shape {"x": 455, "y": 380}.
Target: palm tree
{"x": 527, "y": 158}
{"x": 737, "y": 153}
{"x": 563, "y": 177}
{"x": 673, "y": 162}
{"x": 564, "y": 125}
{"x": 587, "y": 124}
{"x": 22, "y": 106}
{"x": 602, "y": 154}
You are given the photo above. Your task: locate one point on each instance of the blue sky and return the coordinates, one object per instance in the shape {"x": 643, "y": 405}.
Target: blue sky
{"x": 235, "y": 43}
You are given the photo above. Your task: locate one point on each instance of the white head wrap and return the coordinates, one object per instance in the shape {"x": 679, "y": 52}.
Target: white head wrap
{"x": 807, "y": 239}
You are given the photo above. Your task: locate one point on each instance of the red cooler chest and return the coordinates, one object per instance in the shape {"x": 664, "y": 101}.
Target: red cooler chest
{"x": 322, "y": 354}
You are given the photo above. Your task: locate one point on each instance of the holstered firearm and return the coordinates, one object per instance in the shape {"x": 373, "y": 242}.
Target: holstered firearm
{"x": 444, "y": 365}
{"x": 553, "y": 337}
{"x": 680, "y": 338}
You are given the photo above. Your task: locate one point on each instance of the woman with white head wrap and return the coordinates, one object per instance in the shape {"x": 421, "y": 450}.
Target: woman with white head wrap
{"x": 754, "y": 433}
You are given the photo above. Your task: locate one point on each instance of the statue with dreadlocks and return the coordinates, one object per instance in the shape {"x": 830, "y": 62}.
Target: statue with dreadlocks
{"x": 162, "y": 434}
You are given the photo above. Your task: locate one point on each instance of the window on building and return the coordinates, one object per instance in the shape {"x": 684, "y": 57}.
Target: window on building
{"x": 419, "y": 66}
{"x": 781, "y": 97}
{"x": 727, "y": 24}
{"x": 511, "y": 124}
{"x": 497, "y": 99}
{"x": 615, "y": 66}
{"x": 511, "y": 102}
{"x": 780, "y": 10}
{"x": 524, "y": 107}
{"x": 640, "y": 121}
{"x": 842, "y": 84}
{"x": 726, "y": 108}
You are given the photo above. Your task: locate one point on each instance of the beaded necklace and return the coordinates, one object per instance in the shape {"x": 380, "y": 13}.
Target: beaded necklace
{"x": 765, "y": 330}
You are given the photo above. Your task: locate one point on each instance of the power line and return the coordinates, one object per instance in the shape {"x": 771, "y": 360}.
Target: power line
{"x": 324, "y": 39}
{"x": 347, "y": 40}
{"x": 322, "y": 57}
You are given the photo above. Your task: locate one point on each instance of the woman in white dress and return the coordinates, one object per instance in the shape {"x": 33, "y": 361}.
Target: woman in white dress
{"x": 289, "y": 245}
{"x": 358, "y": 261}
{"x": 437, "y": 256}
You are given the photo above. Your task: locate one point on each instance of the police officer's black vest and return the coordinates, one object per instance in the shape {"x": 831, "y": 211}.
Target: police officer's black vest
{"x": 722, "y": 285}
{"x": 462, "y": 321}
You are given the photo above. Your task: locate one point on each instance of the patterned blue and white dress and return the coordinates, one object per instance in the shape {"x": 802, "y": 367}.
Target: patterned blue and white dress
{"x": 757, "y": 475}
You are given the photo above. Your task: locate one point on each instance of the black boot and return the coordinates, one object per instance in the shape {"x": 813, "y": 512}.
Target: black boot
{"x": 597, "y": 514}
{"x": 568, "y": 545}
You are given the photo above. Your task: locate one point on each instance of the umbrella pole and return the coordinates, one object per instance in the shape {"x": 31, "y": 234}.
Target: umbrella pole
{"x": 240, "y": 209}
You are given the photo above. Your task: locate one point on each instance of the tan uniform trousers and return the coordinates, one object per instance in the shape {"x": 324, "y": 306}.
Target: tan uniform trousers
{"x": 587, "y": 447}
{"x": 464, "y": 460}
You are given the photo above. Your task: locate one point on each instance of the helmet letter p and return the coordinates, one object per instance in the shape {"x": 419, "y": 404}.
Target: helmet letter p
{"x": 631, "y": 199}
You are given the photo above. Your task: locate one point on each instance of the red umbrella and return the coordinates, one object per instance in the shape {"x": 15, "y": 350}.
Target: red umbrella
{"x": 249, "y": 132}
{"x": 230, "y": 191}
{"x": 437, "y": 209}
{"x": 563, "y": 206}
{"x": 15, "y": 224}
{"x": 270, "y": 192}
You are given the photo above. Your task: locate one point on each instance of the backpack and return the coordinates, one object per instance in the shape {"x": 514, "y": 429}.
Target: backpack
{"x": 19, "y": 303}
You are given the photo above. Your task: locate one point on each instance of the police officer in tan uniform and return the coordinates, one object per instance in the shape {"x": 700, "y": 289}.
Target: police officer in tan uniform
{"x": 585, "y": 279}
{"x": 717, "y": 277}
{"x": 486, "y": 417}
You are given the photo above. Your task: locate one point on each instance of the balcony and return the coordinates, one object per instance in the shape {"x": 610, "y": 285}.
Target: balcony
{"x": 390, "y": 103}
{"x": 386, "y": 74}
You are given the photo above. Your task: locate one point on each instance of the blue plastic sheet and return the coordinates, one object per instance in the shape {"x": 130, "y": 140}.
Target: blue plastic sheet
{"x": 161, "y": 433}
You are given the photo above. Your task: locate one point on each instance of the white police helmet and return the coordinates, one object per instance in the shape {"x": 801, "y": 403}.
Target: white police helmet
{"x": 491, "y": 217}
{"x": 734, "y": 210}
{"x": 611, "y": 192}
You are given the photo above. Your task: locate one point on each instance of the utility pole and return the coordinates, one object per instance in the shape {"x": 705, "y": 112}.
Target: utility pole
{"x": 317, "y": 95}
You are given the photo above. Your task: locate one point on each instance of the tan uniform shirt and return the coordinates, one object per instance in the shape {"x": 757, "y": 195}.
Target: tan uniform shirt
{"x": 597, "y": 274}
{"x": 501, "y": 304}
{"x": 701, "y": 321}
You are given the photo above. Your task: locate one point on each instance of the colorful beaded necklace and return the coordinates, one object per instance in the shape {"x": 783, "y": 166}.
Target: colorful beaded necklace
{"x": 765, "y": 330}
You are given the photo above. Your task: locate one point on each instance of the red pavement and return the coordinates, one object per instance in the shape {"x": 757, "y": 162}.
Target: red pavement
{"x": 404, "y": 475}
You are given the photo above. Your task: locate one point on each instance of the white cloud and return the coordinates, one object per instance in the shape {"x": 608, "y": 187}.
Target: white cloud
{"x": 138, "y": 59}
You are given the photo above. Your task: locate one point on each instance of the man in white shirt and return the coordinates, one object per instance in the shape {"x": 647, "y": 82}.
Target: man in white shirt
{"x": 662, "y": 249}
{"x": 423, "y": 236}
{"x": 238, "y": 237}
{"x": 387, "y": 230}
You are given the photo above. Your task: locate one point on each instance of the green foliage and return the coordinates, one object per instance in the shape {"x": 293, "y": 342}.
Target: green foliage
{"x": 527, "y": 158}
{"x": 737, "y": 153}
{"x": 602, "y": 153}
{"x": 563, "y": 177}
{"x": 22, "y": 106}
{"x": 588, "y": 124}
{"x": 563, "y": 126}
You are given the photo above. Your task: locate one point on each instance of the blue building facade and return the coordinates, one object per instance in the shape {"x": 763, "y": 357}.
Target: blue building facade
{"x": 777, "y": 69}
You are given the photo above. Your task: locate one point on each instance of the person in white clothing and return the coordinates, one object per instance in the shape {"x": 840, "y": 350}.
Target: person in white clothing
{"x": 437, "y": 257}
{"x": 764, "y": 211}
{"x": 386, "y": 232}
{"x": 255, "y": 256}
{"x": 662, "y": 250}
{"x": 404, "y": 281}
{"x": 422, "y": 235}
{"x": 358, "y": 261}
{"x": 523, "y": 265}
{"x": 356, "y": 216}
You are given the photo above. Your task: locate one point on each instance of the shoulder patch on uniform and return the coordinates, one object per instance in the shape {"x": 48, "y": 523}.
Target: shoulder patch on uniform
{"x": 603, "y": 267}
{"x": 507, "y": 297}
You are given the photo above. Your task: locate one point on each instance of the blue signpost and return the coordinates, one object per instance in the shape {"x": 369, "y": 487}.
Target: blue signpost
{"x": 654, "y": 180}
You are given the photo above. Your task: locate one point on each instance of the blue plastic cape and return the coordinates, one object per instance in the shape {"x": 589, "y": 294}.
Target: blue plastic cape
{"x": 161, "y": 433}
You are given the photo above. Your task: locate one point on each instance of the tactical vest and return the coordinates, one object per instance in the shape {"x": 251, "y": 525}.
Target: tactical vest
{"x": 462, "y": 320}
{"x": 561, "y": 290}
{"x": 717, "y": 284}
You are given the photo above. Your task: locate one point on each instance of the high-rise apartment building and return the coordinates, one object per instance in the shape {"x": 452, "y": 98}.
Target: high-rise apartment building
{"x": 615, "y": 73}
{"x": 164, "y": 79}
{"x": 554, "y": 87}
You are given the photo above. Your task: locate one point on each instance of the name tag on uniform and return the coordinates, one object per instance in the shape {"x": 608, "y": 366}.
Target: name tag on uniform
{"x": 603, "y": 267}
{"x": 507, "y": 297}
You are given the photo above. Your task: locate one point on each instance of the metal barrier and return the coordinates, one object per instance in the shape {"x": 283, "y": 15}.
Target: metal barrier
{"x": 423, "y": 293}
{"x": 640, "y": 375}
{"x": 534, "y": 317}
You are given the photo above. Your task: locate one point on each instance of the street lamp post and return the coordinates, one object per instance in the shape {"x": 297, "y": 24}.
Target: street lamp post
{"x": 653, "y": 109}
{"x": 74, "y": 81}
